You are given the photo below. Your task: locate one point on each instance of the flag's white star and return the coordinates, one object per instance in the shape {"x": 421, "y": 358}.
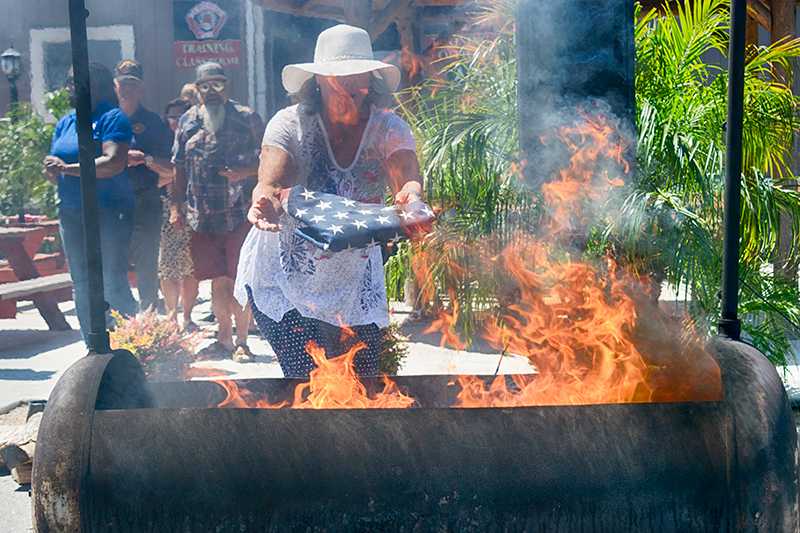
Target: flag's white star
{"x": 383, "y": 220}
{"x": 308, "y": 195}
{"x": 300, "y": 213}
{"x": 341, "y": 215}
{"x": 365, "y": 212}
{"x": 428, "y": 212}
{"x": 316, "y": 219}
{"x": 397, "y": 237}
{"x": 359, "y": 224}
{"x": 348, "y": 203}
{"x": 407, "y": 215}
{"x": 372, "y": 243}
{"x": 322, "y": 206}
{"x": 336, "y": 229}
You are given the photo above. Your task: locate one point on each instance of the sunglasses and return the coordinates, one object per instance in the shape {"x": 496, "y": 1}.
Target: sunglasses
{"x": 216, "y": 85}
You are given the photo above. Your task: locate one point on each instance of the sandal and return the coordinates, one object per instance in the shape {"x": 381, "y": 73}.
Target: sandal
{"x": 215, "y": 350}
{"x": 242, "y": 354}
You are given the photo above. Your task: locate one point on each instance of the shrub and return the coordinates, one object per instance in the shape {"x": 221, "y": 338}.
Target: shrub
{"x": 163, "y": 350}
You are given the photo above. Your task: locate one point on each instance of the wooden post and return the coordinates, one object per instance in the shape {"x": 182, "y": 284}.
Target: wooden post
{"x": 751, "y": 37}
{"x": 783, "y": 25}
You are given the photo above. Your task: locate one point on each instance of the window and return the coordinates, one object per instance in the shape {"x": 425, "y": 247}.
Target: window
{"x": 51, "y": 55}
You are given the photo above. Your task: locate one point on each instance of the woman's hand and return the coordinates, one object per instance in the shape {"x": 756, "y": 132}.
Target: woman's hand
{"x": 266, "y": 209}
{"x": 411, "y": 192}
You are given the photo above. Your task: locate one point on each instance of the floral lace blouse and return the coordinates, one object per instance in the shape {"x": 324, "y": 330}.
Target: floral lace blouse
{"x": 284, "y": 271}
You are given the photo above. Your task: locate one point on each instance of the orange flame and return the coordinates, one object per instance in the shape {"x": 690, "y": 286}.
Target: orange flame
{"x": 411, "y": 63}
{"x": 341, "y": 106}
{"x": 446, "y": 325}
{"x": 591, "y": 142}
{"x": 333, "y": 384}
{"x": 575, "y": 329}
{"x": 575, "y": 324}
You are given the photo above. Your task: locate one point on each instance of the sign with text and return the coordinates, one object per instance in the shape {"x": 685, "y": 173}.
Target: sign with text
{"x": 207, "y": 31}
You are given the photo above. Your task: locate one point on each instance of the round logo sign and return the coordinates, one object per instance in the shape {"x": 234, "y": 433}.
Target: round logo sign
{"x": 206, "y": 20}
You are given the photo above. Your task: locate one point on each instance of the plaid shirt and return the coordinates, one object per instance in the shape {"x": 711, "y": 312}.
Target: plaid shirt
{"x": 214, "y": 205}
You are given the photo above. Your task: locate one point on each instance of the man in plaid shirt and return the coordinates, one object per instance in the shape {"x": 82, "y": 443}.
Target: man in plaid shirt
{"x": 216, "y": 160}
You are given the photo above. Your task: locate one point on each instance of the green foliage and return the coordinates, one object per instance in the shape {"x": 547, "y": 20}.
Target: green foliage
{"x": 394, "y": 351}
{"x": 24, "y": 142}
{"x": 466, "y": 122}
{"x": 671, "y": 223}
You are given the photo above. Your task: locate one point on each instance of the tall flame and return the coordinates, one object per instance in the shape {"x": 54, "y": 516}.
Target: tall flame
{"x": 575, "y": 323}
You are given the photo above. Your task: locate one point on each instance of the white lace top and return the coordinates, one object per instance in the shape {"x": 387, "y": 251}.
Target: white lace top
{"x": 284, "y": 271}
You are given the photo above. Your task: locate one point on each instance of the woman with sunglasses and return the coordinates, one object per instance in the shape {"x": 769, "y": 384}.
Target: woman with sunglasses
{"x": 115, "y": 198}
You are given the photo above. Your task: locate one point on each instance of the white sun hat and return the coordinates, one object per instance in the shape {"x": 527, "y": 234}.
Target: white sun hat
{"x": 341, "y": 51}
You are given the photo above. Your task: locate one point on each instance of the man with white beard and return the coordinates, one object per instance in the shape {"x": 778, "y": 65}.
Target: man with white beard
{"x": 216, "y": 151}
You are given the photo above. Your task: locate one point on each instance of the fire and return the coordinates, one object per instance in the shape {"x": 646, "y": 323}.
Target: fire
{"x": 574, "y": 326}
{"x": 333, "y": 384}
{"x": 446, "y": 325}
{"x": 342, "y": 108}
{"x": 579, "y": 324}
{"x": 411, "y": 63}
{"x": 593, "y": 143}
{"x": 575, "y": 322}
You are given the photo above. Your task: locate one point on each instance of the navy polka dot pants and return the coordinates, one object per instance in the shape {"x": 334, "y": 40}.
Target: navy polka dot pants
{"x": 290, "y": 336}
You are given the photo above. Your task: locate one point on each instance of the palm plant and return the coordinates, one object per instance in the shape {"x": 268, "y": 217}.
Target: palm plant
{"x": 672, "y": 224}
{"x": 671, "y": 218}
{"x": 466, "y": 120}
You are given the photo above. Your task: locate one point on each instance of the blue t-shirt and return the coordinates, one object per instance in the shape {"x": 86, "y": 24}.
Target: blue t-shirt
{"x": 109, "y": 124}
{"x": 153, "y": 137}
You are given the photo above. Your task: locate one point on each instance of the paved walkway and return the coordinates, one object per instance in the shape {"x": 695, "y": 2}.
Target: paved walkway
{"x": 33, "y": 358}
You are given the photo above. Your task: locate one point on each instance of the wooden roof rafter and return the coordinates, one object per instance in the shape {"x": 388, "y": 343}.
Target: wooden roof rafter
{"x": 758, "y": 10}
{"x": 373, "y": 15}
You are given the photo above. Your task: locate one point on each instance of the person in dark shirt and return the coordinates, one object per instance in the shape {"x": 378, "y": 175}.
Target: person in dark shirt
{"x": 151, "y": 145}
{"x": 115, "y": 201}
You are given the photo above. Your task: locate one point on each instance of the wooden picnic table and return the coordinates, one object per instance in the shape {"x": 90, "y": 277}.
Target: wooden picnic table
{"x": 21, "y": 261}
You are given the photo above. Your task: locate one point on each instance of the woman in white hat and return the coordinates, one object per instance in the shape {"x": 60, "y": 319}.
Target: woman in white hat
{"x": 337, "y": 139}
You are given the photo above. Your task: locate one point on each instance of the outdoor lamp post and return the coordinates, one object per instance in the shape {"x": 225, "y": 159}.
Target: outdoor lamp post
{"x": 11, "y": 64}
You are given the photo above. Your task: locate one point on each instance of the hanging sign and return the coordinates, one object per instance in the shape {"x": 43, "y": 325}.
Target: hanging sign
{"x": 206, "y": 31}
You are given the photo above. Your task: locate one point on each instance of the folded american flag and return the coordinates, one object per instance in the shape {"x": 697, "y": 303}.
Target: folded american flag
{"x": 335, "y": 223}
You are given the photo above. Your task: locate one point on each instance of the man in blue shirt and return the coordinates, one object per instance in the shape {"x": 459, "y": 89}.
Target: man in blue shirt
{"x": 152, "y": 143}
{"x": 115, "y": 201}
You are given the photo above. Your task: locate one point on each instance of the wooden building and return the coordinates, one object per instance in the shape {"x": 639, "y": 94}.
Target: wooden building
{"x": 254, "y": 38}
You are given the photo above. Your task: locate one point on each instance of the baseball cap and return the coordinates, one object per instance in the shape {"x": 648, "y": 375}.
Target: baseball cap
{"x": 210, "y": 71}
{"x": 129, "y": 69}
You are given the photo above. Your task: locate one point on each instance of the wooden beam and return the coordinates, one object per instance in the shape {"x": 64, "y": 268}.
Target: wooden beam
{"x": 383, "y": 19}
{"x": 308, "y": 8}
{"x": 751, "y": 31}
{"x": 761, "y": 12}
{"x": 758, "y": 9}
{"x": 358, "y": 12}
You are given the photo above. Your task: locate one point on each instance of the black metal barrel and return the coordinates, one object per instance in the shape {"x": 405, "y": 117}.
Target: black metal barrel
{"x": 116, "y": 454}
